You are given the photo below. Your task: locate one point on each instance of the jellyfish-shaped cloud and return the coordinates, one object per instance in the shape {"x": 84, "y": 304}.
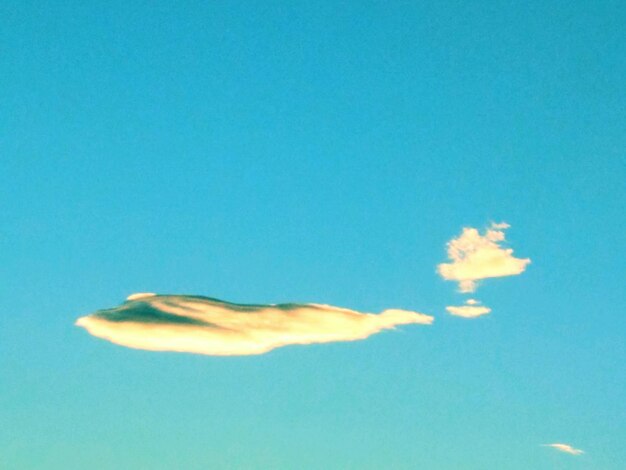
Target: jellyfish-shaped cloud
{"x": 203, "y": 325}
{"x": 475, "y": 256}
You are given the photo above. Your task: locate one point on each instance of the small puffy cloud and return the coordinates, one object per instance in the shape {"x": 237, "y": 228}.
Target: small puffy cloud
{"x": 472, "y": 301}
{"x": 468, "y": 311}
{"x": 202, "y": 325}
{"x": 568, "y": 449}
{"x": 474, "y": 256}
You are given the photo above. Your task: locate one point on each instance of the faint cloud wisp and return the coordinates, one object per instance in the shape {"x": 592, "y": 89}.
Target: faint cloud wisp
{"x": 568, "y": 449}
{"x": 202, "y": 325}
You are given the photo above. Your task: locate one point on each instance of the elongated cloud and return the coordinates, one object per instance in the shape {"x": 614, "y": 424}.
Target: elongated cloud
{"x": 203, "y": 325}
{"x": 468, "y": 311}
{"x": 471, "y": 309}
{"x": 568, "y": 449}
{"x": 475, "y": 256}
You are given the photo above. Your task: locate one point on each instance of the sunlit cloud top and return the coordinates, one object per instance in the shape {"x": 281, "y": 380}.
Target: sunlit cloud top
{"x": 203, "y": 325}
{"x": 474, "y": 256}
{"x": 568, "y": 449}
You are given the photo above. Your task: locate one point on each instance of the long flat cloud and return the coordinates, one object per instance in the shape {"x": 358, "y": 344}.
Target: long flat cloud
{"x": 568, "y": 449}
{"x": 474, "y": 256}
{"x": 203, "y": 325}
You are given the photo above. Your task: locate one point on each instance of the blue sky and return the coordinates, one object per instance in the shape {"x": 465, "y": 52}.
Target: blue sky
{"x": 313, "y": 152}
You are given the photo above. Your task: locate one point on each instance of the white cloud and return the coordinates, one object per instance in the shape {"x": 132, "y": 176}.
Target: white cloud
{"x": 475, "y": 256}
{"x": 202, "y": 325}
{"x": 467, "y": 311}
{"x": 472, "y": 301}
{"x": 565, "y": 448}
{"x": 500, "y": 226}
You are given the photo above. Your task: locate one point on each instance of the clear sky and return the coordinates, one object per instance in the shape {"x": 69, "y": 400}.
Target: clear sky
{"x": 266, "y": 152}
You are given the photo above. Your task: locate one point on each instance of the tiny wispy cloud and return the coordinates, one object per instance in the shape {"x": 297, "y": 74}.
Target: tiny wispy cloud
{"x": 568, "y": 449}
{"x": 202, "y": 325}
{"x": 468, "y": 311}
{"x": 475, "y": 256}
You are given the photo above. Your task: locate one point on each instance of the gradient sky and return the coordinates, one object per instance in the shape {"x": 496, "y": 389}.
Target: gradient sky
{"x": 313, "y": 152}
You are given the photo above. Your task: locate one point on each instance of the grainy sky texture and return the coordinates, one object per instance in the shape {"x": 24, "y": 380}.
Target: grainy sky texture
{"x": 324, "y": 152}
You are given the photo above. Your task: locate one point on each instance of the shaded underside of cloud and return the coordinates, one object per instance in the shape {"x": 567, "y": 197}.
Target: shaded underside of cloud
{"x": 474, "y": 256}
{"x": 203, "y": 325}
{"x": 568, "y": 449}
{"x": 468, "y": 311}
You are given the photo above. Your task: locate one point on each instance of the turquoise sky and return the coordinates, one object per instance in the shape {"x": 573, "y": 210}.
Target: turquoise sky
{"x": 266, "y": 152}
